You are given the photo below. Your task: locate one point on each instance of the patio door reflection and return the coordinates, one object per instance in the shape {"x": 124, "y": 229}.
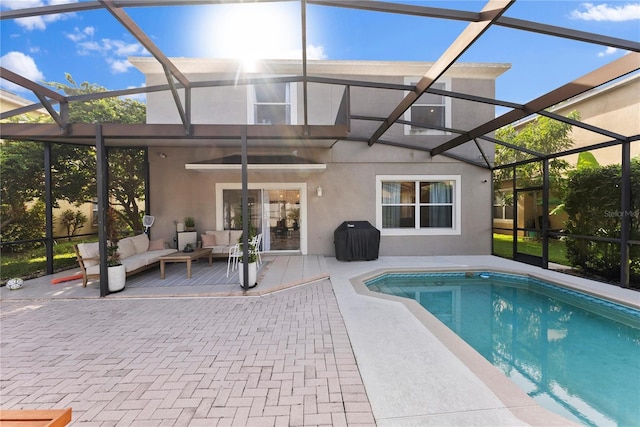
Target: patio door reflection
{"x": 274, "y": 213}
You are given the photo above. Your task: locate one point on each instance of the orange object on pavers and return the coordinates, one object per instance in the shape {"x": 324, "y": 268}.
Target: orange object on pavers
{"x": 35, "y": 417}
{"x": 66, "y": 278}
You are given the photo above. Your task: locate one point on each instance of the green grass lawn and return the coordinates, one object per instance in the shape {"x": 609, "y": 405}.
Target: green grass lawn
{"x": 33, "y": 263}
{"x": 503, "y": 246}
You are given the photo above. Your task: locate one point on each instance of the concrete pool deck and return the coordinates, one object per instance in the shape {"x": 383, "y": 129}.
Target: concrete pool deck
{"x": 417, "y": 372}
{"x": 409, "y": 371}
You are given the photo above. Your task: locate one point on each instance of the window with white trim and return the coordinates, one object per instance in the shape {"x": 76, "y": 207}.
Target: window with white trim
{"x": 430, "y": 110}
{"x": 424, "y": 204}
{"x": 272, "y": 104}
{"x": 503, "y": 204}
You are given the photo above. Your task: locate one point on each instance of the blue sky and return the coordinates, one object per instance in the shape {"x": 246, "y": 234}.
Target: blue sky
{"x": 92, "y": 46}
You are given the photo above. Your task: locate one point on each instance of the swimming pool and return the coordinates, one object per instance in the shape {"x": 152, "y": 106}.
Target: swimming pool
{"x": 575, "y": 354}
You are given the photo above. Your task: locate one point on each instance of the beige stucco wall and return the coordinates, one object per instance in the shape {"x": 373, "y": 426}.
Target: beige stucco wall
{"x": 348, "y": 194}
{"x": 349, "y": 181}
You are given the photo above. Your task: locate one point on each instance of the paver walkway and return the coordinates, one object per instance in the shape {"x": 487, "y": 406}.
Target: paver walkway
{"x": 280, "y": 359}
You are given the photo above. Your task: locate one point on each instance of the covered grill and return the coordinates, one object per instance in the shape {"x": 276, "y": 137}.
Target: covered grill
{"x": 356, "y": 241}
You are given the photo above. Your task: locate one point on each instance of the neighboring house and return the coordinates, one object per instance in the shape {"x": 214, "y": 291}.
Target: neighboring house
{"x": 10, "y": 101}
{"x": 615, "y": 107}
{"x": 300, "y": 195}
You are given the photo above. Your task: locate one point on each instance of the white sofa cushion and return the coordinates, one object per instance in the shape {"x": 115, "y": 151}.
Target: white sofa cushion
{"x": 89, "y": 250}
{"x": 126, "y": 248}
{"x": 94, "y": 269}
{"x": 234, "y": 235}
{"x": 140, "y": 242}
{"x": 220, "y": 249}
{"x": 159, "y": 253}
{"x": 222, "y": 237}
{"x": 134, "y": 262}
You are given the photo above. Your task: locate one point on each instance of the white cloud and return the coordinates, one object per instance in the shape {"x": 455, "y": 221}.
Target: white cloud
{"x": 604, "y": 12}
{"x": 37, "y": 22}
{"x": 115, "y": 52}
{"x": 608, "y": 51}
{"x": 87, "y": 48}
{"x": 119, "y": 65}
{"x": 78, "y": 35}
{"x": 23, "y": 65}
{"x": 316, "y": 52}
{"x": 120, "y": 48}
{"x": 142, "y": 97}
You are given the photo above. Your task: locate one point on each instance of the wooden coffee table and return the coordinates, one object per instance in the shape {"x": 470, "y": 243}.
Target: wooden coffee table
{"x": 187, "y": 257}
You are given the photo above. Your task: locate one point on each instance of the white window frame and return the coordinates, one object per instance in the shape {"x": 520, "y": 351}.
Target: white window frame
{"x": 292, "y": 102}
{"x": 456, "y": 228}
{"x": 504, "y": 208}
{"x": 447, "y": 109}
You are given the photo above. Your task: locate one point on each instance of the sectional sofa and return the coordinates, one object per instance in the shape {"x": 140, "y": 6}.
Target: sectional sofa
{"x": 137, "y": 253}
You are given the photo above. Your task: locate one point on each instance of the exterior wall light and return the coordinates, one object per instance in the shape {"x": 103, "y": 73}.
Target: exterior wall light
{"x": 319, "y": 191}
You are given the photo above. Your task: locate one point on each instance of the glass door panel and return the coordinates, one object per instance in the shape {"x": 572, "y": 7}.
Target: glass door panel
{"x": 232, "y": 206}
{"x": 274, "y": 213}
{"x": 529, "y": 217}
{"x": 282, "y": 224}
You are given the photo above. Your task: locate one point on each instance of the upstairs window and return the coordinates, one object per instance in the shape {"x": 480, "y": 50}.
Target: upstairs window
{"x": 430, "y": 110}
{"x": 271, "y": 104}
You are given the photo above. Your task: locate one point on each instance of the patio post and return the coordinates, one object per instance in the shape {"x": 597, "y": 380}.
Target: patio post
{"x": 545, "y": 214}
{"x": 103, "y": 205}
{"x": 48, "y": 201}
{"x": 245, "y": 211}
{"x": 625, "y": 211}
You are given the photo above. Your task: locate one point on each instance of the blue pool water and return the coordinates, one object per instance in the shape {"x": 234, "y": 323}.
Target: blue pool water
{"x": 576, "y": 355}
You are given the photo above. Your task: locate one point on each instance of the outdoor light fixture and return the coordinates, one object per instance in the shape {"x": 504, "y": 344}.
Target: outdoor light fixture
{"x": 162, "y": 155}
{"x": 319, "y": 191}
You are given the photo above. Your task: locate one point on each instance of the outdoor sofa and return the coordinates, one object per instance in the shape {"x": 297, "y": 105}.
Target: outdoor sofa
{"x": 137, "y": 254}
{"x": 220, "y": 241}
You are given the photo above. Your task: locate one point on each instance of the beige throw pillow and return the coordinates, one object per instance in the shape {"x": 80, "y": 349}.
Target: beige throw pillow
{"x": 208, "y": 240}
{"x": 156, "y": 245}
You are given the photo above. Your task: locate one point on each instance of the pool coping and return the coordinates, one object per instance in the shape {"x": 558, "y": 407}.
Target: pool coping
{"x": 521, "y": 405}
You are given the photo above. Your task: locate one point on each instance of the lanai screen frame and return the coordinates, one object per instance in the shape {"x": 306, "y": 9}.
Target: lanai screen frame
{"x": 104, "y": 135}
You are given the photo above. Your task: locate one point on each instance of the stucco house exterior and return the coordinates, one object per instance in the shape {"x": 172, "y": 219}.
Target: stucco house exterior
{"x": 300, "y": 194}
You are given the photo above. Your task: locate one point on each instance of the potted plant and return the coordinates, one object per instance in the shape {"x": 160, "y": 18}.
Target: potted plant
{"x": 188, "y": 248}
{"x": 189, "y": 223}
{"x": 116, "y": 271}
{"x": 252, "y": 259}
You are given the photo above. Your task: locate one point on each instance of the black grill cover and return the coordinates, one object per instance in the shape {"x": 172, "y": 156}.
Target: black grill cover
{"x": 356, "y": 241}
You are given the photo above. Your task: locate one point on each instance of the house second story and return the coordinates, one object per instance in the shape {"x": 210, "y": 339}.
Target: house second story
{"x": 363, "y": 93}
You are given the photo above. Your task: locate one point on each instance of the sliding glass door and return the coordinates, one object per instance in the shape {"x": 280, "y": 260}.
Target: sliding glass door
{"x": 274, "y": 212}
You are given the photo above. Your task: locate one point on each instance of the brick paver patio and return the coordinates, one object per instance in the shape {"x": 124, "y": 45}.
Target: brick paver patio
{"x": 276, "y": 360}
